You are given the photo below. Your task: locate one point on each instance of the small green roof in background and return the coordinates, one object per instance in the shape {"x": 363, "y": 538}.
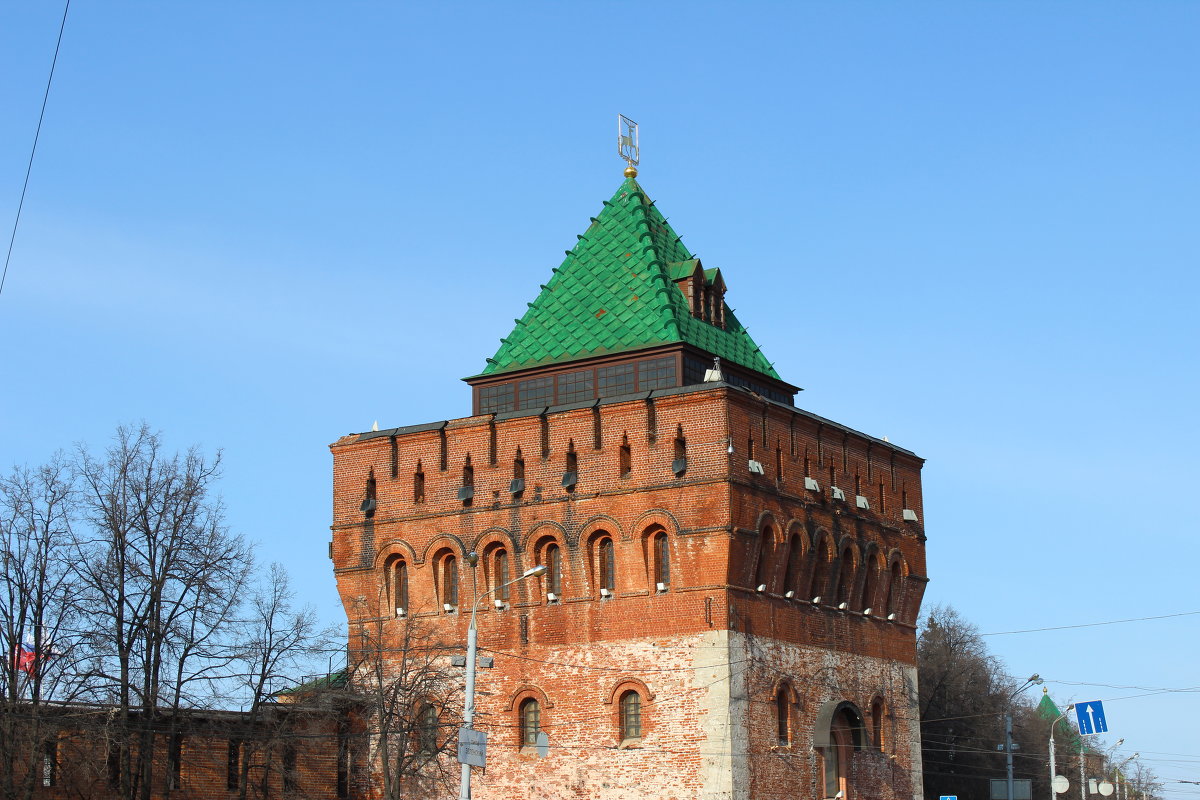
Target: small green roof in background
{"x": 615, "y": 292}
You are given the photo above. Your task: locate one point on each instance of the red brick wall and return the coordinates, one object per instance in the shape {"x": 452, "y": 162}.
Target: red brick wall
{"x": 728, "y": 531}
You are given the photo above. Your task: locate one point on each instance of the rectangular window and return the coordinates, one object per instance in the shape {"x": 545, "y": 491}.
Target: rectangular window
{"x": 656, "y": 373}
{"x": 535, "y": 393}
{"x": 496, "y": 399}
{"x": 574, "y": 387}
{"x": 615, "y": 380}
{"x": 693, "y": 371}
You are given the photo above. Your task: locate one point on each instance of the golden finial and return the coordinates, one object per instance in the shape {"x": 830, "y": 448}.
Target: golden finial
{"x": 627, "y": 144}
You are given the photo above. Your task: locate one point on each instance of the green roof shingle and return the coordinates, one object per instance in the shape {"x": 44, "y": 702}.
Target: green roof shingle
{"x": 615, "y": 292}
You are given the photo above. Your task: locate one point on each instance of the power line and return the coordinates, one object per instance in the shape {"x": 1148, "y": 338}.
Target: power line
{"x": 1091, "y": 624}
{"x": 37, "y": 134}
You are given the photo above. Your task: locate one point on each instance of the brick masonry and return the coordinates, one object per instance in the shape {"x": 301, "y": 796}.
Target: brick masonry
{"x": 749, "y": 554}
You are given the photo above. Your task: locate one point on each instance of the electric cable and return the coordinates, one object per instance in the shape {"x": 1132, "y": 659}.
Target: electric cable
{"x": 37, "y": 134}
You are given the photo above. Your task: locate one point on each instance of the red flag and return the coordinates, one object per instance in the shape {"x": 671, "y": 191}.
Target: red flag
{"x": 25, "y": 657}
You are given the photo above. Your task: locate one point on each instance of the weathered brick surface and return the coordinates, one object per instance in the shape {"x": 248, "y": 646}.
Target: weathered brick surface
{"x": 703, "y": 652}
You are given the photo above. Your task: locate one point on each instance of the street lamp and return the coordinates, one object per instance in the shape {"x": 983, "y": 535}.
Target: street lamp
{"x": 1008, "y": 742}
{"x": 464, "y": 792}
{"x": 1116, "y": 771}
{"x": 1053, "y": 771}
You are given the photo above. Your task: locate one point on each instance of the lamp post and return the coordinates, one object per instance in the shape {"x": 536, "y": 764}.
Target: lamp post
{"x": 1116, "y": 781}
{"x": 1008, "y": 742}
{"x": 1053, "y": 771}
{"x": 464, "y": 792}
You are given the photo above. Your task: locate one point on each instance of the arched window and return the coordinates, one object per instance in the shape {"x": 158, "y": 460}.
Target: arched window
{"x": 450, "y": 581}
{"x": 837, "y": 756}
{"x": 427, "y": 728}
{"x": 783, "y": 716}
{"x": 396, "y": 576}
{"x": 606, "y": 565}
{"x": 553, "y": 569}
{"x": 631, "y": 715}
{"x": 531, "y": 721}
{"x": 661, "y": 554}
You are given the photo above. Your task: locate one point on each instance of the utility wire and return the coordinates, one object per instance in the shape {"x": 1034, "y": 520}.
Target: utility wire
{"x": 37, "y": 134}
{"x": 1091, "y": 624}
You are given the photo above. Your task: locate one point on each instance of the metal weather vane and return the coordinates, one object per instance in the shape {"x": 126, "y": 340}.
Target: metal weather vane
{"x": 627, "y": 143}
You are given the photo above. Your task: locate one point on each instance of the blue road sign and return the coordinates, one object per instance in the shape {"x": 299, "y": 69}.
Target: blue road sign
{"x": 1091, "y": 718}
{"x": 948, "y": 797}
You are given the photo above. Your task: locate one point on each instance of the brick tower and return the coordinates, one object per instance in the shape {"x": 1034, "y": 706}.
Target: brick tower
{"x": 732, "y": 582}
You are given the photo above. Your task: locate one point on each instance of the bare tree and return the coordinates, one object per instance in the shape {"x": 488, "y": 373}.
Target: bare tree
{"x": 37, "y": 609}
{"x": 410, "y": 696}
{"x": 964, "y": 692}
{"x": 161, "y": 576}
{"x": 278, "y": 643}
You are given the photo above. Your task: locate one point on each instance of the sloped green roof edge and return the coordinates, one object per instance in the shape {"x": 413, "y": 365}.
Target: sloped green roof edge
{"x": 614, "y": 293}
{"x": 1049, "y": 711}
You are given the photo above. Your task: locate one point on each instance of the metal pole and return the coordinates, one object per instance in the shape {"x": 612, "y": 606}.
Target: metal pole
{"x": 1008, "y": 750}
{"x": 464, "y": 790}
{"x": 1008, "y": 742}
{"x": 1053, "y": 770}
{"x": 1082, "y": 777}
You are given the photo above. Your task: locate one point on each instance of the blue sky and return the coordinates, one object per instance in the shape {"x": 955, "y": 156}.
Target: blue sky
{"x": 970, "y": 227}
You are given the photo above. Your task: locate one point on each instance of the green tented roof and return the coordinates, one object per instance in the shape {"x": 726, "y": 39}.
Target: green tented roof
{"x": 615, "y": 292}
{"x": 1048, "y": 711}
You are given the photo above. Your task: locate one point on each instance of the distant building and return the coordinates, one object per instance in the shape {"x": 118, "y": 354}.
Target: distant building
{"x": 733, "y": 583}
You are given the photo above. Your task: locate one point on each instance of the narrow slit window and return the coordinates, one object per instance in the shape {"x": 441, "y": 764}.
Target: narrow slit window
{"x": 427, "y": 730}
{"x": 626, "y": 457}
{"x": 501, "y": 569}
{"x": 398, "y": 576}
{"x": 607, "y": 565}
{"x": 368, "y": 503}
{"x": 662, "y": 559}
{"x": 290, "y": 776}
{"x": 450, "y": 580}
{"x": 631, "y": 715}
{"x": 553, "y": 569}
{"x": 783, "y": 730}
{"x": 419, "y": 484}
{"x": 50, "y": 762}
{"x": 531, "y": 721}
{"x": 233, "y": 765}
